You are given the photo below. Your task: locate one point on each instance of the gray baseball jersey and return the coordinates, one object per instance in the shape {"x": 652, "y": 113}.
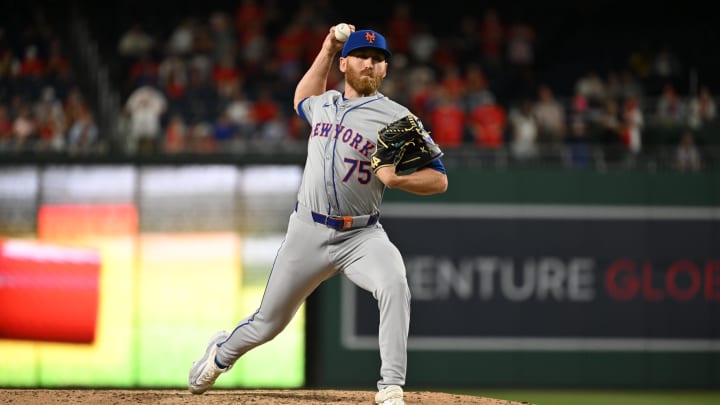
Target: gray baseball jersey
{"x": 334, "y": 228}
{"x": 338, "y": 179}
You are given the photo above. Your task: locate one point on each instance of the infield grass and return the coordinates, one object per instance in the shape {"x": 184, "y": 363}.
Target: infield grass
{"x": 604, "y": 397}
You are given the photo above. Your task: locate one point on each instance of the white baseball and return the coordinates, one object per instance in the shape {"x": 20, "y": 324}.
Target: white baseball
{"x": 342, "y": 32}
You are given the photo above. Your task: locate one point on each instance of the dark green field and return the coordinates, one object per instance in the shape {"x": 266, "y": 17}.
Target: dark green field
{"x": 603, "y": 397}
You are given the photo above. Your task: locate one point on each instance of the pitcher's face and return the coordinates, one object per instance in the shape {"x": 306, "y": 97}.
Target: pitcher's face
{"x": 364, "y": 70}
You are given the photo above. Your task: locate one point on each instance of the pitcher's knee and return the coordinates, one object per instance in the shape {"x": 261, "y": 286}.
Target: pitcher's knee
{"x": 397, "y": 289}
{"x": 272, "y": 331}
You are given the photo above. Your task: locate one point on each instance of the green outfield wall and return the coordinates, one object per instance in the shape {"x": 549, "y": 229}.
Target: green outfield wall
{"x": 543, "y": 278}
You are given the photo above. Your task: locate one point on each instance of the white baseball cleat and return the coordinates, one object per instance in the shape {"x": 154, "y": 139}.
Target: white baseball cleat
{"x": 204, "y": 371}
{"x": 390, "y": 395}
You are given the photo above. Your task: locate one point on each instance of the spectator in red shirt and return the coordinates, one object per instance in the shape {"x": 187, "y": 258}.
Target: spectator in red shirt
{"x": 226, "y": 76}
{"x": 5, "y": 125}
{"x": 264, "y": 109}
{"x": 487, "y": 122}
{"x": 175, "y": 133}
{"x": 144, "y": 72}
{"x": 57, "y": 64}
{"x": 447, "y": 119}
{"x": 249, "y": 13}
{"x": 32, "y": 65}
{"x": 452, "y": 82}
{"x": 289, "y": 47}
{"x": 172, "y": 76}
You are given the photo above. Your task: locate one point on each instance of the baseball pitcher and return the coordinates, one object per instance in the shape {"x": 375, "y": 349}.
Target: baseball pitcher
{"x": 360, "y": 143}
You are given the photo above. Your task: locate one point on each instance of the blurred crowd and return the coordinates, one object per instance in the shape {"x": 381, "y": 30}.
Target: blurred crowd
{"x": 218, "y": 82}
{"x": 41, "y": 105}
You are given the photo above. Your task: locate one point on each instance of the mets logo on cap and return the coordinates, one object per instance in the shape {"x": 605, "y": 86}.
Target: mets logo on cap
{"x": 365, "y": 39}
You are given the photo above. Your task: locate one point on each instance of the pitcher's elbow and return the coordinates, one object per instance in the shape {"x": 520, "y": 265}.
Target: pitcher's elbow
{"x": 443, "y": 184}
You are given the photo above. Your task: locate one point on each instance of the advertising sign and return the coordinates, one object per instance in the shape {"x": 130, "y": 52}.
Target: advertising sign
{"x": 552, "y": 278}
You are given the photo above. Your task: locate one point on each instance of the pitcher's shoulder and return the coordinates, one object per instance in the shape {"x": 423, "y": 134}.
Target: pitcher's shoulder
{"x": 392, "y": 107}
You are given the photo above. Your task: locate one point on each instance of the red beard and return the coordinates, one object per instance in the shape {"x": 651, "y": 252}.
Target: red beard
{"x": 363, "y": 84}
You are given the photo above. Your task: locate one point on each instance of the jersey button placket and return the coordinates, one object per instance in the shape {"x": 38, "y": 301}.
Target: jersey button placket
{"x": 329, "y": 178}
{"x": 329, "y": 163}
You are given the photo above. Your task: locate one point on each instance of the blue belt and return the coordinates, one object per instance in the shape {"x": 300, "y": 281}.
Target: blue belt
{"x": 341, "y": 223}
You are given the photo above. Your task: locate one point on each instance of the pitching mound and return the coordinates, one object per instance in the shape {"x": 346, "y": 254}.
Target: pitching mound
{"x": 240, "y": 397}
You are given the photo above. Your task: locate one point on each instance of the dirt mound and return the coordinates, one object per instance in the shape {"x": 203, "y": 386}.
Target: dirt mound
{"x": 240, "y": 397}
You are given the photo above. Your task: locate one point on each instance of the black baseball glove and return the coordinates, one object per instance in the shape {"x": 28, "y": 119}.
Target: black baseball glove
{"x": 404, "y": 144}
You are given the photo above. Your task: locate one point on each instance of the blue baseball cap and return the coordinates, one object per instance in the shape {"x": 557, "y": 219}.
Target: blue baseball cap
{"x": 365, "y": 39}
